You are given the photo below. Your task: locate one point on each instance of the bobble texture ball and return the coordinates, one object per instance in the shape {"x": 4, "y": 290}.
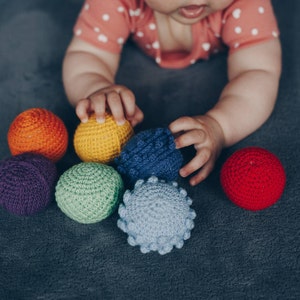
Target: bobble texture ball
{"x": 89, "y": 192}
{"x": 27, "y": 183}
{"x": 150, "y": 153}
{"x": 95, "y": 142}
{"x": 253, "y": 178}
{"x": 39, "y": 131}
{"x": 156, "y": 215}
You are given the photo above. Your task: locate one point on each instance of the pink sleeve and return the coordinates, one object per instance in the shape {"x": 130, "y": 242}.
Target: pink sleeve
{"x": 248, "y": 22}
{"x": 104, "y": 24}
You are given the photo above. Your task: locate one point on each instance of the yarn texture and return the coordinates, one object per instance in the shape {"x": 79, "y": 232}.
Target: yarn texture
{"x": 27, "y": 183}
{"x": 150, "y": 153}
{"x": 253, "y": 178}
{"x": 156, "y": 215}
{"x": 94, "y": 142}
{"x": 89, "y": 192}
{"x": 39, "y": 131}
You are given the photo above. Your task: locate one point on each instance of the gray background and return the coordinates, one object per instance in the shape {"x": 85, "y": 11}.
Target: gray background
{"x": 232, "y": 253}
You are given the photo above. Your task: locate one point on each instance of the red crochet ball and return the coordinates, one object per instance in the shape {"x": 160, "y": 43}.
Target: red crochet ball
{"x": 253, "y": 178}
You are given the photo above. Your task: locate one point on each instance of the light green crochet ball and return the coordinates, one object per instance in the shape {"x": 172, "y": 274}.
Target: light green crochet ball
{"x": 89, "y": 192}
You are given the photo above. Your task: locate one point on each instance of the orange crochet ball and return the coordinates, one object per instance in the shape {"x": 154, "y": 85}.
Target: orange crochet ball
{"x": 95, "y": 142}
{"x": 38, "y": 131}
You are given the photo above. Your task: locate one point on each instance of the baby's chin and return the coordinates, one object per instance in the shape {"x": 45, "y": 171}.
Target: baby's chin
{"x": 190, "y": 21}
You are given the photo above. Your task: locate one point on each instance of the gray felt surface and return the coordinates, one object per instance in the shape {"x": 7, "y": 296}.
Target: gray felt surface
{"x": 232, "y": 253}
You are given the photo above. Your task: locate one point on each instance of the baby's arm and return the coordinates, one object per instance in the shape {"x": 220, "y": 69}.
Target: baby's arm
{"x": 249, "y": 98}
{"x": 244, "y": 105}
{"x": 88, "y": 76}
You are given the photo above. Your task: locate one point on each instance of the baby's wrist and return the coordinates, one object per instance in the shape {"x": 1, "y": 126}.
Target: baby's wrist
{"x": 217, "y": 128}
{"x": 96, "y": 87}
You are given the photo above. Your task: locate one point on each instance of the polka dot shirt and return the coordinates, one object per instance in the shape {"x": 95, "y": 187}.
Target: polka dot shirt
{"x": 108, "y": 24}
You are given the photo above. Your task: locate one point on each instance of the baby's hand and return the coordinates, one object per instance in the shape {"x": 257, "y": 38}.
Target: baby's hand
{"x": 118, "y": 99}
{"x": 206, "y": 135}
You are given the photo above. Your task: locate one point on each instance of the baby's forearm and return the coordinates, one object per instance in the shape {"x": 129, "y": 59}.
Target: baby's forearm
{"x": 89, "y": 81}
{"x": 84, "y": 73}
{"x": 245, "y": 104}
{"x": 86, "y": 78}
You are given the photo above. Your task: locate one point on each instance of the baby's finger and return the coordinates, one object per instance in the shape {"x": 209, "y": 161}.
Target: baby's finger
{"x": 128, "y": 100}
{"x": 192, "y": 137}
{"x": 203, "y": 173}
{"x": 98, "y": 105}
{"x": 196, "y": 163}
{"x": 115, "y": 105}
{"x": 183, "y": 124}
{"x": 82, "y": 109}
{"x": 137, "y": 117}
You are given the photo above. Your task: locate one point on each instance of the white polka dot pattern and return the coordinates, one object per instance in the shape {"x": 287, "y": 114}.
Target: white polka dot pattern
{"x": 238, "y": 30}
{"x": 105, "y": 17}
{"x": 108, "y": 24}
{"x": 236, "y": 13}
{"x": 250, "y": 22}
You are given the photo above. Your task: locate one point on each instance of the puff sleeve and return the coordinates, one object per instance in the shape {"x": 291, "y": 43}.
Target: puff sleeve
{"x": 247, "y": 23}
{"x": 104, "y": 24}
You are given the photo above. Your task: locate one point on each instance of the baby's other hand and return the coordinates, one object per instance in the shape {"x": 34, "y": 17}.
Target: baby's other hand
{"x": 205, "y": 133}
{"x": 117, "y": 99}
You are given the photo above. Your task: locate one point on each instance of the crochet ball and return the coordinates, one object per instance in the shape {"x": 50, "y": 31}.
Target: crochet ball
{"x": 95, "y": 142}
{"x": 150, "y": 153}
{"x": 253, "y": 178}
{"x": 89, "y": 192}
{"x": 156, "y": 215}
{"x": 38, "y": 130}
{"x": 27, "y": 183}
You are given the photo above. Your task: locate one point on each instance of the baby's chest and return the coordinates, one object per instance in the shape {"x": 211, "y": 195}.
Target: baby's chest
{"x": 164, "y": 42}
{"x": 157, "y": 34}
{"x": 174, "y": 36}
{"x": 168, "y": 36}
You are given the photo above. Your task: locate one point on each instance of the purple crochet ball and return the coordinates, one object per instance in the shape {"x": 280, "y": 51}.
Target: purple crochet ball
{"x": 27, "y": 183}
{"x": 150, "y": 153}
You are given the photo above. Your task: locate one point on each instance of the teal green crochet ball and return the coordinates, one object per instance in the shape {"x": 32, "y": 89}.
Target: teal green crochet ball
{"x": 89, "y": 192}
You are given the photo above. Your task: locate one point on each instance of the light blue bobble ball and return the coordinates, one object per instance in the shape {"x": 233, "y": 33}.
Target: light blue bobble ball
{"x": 156, "y": 215}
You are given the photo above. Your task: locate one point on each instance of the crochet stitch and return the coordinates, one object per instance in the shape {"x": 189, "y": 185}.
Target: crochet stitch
{"x": 253, "y": 178}
{"x": 150, "y": 153}
{"x": 39, "y": 131}
{"x": 156, "y": 215}
{"x": 27, "y": 183}
{"x": 89, "y": 192}
{"x": 94, "y": 142}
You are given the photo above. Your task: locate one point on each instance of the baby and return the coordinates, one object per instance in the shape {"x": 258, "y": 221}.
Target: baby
{"x": 177, "y": 33}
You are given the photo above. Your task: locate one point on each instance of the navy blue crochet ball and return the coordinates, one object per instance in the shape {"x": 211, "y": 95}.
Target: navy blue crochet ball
{"x": 150, "y": 153}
